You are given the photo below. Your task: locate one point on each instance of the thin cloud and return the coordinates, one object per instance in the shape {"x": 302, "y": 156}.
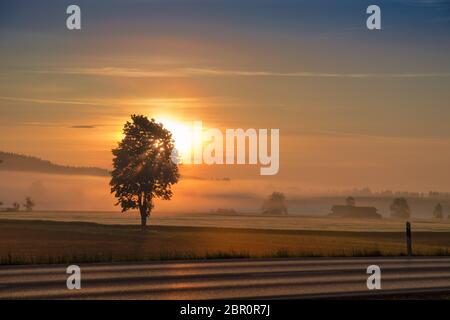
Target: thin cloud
{"x": 52, "y": 101}
{"x": 83, "y": 127}
{"x": 115, "y": 72}
{"x": 192, "y": 72}
{"x": 240, "y": 73}
{"x": 181, "y": 102}
{"x": 162, "y": 101}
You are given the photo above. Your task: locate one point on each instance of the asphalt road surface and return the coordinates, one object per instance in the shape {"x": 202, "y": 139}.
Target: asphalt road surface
{"x": 270, "y": 278}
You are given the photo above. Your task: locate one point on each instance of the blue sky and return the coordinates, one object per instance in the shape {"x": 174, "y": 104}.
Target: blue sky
{"x": 419, "y": 29}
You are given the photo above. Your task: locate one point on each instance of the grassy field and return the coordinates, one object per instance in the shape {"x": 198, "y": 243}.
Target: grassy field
{"x": 32, "y": 242}
{"x": 245, "y": 221}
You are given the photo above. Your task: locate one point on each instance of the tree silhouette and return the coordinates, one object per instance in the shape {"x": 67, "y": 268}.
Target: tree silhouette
{"x": 15, "y": 207}
{"x": 275, "y": 204}
{"x": 29, "y": 204}
{"x": 400, "y": 208}
{"x": 350, "y": 201}
{"x": 143, "y": 166}
{"x": 1, "y": 203}
{"x": 438, "y": 212}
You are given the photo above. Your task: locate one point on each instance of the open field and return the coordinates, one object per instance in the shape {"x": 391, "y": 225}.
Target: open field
{"x": 31, "y": 242}
{"x": 246, "y": 221}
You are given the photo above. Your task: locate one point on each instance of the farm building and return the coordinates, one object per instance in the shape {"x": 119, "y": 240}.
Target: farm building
{"x": 345, "y": 211}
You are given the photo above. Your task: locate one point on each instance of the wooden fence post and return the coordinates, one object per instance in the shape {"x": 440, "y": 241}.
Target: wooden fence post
{"x": 408, "y": 239}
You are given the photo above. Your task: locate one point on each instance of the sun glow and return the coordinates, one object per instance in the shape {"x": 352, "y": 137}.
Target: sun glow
{"x": 182, "y": 135}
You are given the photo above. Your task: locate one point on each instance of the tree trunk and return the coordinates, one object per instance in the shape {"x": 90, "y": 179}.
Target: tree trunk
{"x": 143, "y": 219}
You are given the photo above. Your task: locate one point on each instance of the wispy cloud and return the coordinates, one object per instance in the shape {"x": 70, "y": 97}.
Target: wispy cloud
{"x": 177, "y": 103}
{"x": 115, "y": 72}
{"x": 52, "y": 101}
{"x": 83, "y": 127}
{"x": 243, "y": 73}
{"x": 192, "y": 72}
{"x": 163, "y": 101}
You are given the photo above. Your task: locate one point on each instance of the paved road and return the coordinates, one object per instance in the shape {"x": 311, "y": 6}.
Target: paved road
{"x": 285, "y": 278}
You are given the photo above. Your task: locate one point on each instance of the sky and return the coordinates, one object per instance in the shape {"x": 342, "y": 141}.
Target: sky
{"x": 354, "y": 107}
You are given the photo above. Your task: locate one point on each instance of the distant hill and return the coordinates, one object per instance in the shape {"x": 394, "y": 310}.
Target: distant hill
{"x": 18, "y": 162}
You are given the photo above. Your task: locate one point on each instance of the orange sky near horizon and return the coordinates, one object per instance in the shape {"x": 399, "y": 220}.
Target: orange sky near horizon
{"x": 354, "y": 109}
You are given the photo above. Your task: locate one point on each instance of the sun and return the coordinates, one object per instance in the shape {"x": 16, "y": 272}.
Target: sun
{"x": 182, "y": 135}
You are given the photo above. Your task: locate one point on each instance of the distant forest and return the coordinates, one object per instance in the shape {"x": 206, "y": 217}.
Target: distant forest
{"x": 17, "y": 162}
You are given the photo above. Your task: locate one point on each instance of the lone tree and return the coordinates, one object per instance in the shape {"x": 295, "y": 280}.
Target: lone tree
{"x": 1, "y": 203}
{"x": 275, "y": 204}
{"x": 350, "y": 201}
{"x": 15, "y": 207}
{"x": 29, "y": 204}
{"x": 400, "y": 208}
{"x": 438, "y": 212}
{"x": 143, "y": 166}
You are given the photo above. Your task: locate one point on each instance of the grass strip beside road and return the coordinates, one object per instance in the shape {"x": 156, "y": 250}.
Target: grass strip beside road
{"x": 49, "y": 242}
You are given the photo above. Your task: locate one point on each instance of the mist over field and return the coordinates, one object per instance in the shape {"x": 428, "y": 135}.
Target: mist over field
{"x": 89, "y": 193}
{"x": 64, "y": 192}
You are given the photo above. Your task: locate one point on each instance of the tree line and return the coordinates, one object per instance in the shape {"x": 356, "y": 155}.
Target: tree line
{"x": 29, "y": 204}
{"x": 401, "y": 209}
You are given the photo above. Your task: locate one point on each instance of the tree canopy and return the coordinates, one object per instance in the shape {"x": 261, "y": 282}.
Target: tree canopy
{"x": 1, "y": 203}
{"x": 400, "y": 208}
{"x": 29, "y": 204}
{"x": 143, "y": 167}
{"x": 438, "y": 212}
{"x": 350, "y": 201}
{"x": 275, "y": 204}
